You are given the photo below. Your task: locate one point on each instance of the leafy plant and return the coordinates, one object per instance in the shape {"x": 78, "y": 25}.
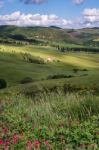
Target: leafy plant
{"x": 3, "y": 83}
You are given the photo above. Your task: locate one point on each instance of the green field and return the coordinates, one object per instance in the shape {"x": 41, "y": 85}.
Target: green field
{"x": 58, "y": 109}
{"x": 14, "y": 68}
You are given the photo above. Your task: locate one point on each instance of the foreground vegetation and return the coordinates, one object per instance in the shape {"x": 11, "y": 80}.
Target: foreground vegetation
{"x": 52, "y": 121}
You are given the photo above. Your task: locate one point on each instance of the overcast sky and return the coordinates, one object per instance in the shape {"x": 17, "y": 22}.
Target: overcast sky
{"x": 62, "y": 13}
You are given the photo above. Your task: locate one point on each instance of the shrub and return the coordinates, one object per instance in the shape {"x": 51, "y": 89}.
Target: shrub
{"x": 84, "y": 70}
{"x": 3, "y": 84}
{"x": 75, "y": 70}
{"x": 31, "y": 59}
{"x": 26, "y": 80}
{"x": 59, "y": 76}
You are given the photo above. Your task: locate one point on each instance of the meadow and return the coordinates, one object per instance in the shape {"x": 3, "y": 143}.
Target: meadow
{"x": 15, "y": 66}
{"x": 51, "y": 100}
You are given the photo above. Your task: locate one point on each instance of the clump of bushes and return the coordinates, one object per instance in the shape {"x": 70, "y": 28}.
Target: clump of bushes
{"x": 58, "y": 76}
{"x": 26, "y": 80}
{"x": 31, "y": 59}
{"x": 75, "y": 70}
{"x": 84, "y": 70}
{"x": 71, "y": 88}
{"x": 3, "y": 83}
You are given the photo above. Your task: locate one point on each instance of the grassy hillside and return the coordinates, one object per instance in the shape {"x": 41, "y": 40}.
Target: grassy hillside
{"x": 47, "y": 67}
{"x": 48, "y": 35}
{"x": 49, "y": 89}
{"x": 30, "y": 33}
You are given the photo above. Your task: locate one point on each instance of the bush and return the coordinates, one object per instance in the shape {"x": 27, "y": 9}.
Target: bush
{"x": 26, "y": 80}
{"x": 84, "y": 70}
{"x": 75, "y": 70}
{"x": 3, "y": 84}
{"x": 59, "y": 76}
{"x": 31, "y": 59}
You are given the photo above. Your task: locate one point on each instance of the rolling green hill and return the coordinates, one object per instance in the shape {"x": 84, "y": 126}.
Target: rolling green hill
{"x": 33, "y": 53}
{"x": 51, "y": 34}
{"x": 47, "y": 67}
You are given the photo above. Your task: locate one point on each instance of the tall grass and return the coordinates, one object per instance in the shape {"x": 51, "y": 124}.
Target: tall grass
{"x": 63, "y": 121}
{"x": 50, "y": 109}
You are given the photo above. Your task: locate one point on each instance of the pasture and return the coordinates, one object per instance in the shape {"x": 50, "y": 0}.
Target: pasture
{"x": 14, "y": 68}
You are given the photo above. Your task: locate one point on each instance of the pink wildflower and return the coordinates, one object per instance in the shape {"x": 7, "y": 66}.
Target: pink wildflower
{"x": 36, "y": 144}
{"x": 29, "y": 145}
{"x": 6, "y": 148}
{"x": 1, "y": 142}
{"x": 15, "y": 139}
{"x": 6, "y": 145}
{"x": 4, "y": 131}
{"x": 47, "y": 144}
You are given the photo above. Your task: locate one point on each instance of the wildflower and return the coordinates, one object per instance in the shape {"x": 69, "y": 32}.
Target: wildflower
{"x": 4, "y": 131}
{"x": 47, "y": 144}
{"x": 1, "y": 142}
{"x": 15, "y": 139}
{"x": 29, "y": 145}
{"x": 36, "y": 144}
{"x": 6, "y": 148}
{"x": 6, "y": 145}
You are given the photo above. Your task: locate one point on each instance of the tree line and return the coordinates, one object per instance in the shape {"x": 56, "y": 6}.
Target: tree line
{"x": 76, "y": 49}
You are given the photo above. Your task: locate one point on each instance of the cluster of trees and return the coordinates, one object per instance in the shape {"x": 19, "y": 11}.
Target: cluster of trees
{"x": 92, "y": 43}
{"x": 10, "y": 41}
{"x": 20, "y": 40}
{"x": 76, "y": 49}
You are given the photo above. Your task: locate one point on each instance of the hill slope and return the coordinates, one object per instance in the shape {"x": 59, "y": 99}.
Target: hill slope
{"x": 73, "y": 68}
{"x": 33, "y": 34}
